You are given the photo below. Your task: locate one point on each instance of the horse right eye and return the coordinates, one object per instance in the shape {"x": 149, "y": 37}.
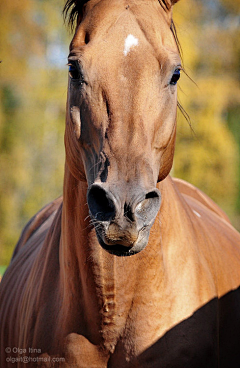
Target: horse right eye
{"x": 175, "y": 77}
{"x": 74, "y": 72}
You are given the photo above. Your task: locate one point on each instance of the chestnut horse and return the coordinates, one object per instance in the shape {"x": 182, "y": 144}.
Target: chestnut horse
{"x": 131, "y": 268}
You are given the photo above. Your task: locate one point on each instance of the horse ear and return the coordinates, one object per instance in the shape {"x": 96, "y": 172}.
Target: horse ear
{"x": 174, "y": 1}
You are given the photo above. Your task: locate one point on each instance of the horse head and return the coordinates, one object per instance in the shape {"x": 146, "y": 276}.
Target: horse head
{"x": 124, "y": 65}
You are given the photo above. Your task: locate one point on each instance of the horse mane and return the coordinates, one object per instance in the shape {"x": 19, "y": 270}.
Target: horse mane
{"x": 73, "y": 7}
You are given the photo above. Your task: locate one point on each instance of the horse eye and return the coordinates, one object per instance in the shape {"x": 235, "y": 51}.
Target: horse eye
{"x": 175, "y": 77}
{"x": 74, "y": 73}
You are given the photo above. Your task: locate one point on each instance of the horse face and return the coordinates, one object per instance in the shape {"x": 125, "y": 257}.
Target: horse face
{"x": 121, "y": 116}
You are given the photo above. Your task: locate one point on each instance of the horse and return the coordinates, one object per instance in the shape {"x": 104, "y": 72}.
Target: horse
{"x": 130, "y": 268}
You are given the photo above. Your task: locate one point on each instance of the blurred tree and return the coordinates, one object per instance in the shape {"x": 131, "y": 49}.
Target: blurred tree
{"x": 33, "y": 84}
{"x": 231, "y": 6}
{"x": 209, "y": 157}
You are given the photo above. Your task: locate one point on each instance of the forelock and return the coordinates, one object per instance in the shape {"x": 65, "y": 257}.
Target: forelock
{"x": 73, "y": 8}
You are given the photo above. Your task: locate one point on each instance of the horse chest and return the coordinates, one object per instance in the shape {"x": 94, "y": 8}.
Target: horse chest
{"x": 192, "y": 343}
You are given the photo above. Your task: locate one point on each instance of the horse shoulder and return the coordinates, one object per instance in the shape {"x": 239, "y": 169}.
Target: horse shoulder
{"x": 216, "y": 239}
{"x": 190, "y": 190}
{"x": 35, "y": 223}
{"x": 22, "y": 281}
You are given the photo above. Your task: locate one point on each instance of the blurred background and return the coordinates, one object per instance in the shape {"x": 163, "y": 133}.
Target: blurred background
{"x": 33, "y": 88}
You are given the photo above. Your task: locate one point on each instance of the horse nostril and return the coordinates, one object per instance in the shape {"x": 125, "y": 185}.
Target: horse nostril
{"x": 101, "y": 204}
{"x": 148, "y": 208}
{"x": 153, "y": 194}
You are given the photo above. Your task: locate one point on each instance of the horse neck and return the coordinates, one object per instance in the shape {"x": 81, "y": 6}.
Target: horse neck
{"x": 98, "y": 288}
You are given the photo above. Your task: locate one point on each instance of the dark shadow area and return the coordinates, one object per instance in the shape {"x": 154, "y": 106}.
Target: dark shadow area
{"x": 209, "y": 338}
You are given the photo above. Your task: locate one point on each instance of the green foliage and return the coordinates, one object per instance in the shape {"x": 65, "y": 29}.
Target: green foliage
{"x": 209, "y": 157}
{"x": 32, "y": 112}
{"x": 2, "y": 270}
{"x": 231, "y": 6}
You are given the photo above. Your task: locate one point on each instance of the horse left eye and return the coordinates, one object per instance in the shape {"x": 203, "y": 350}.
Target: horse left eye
{"x": 74, "y": 72}
{"x": 175, "y": 77}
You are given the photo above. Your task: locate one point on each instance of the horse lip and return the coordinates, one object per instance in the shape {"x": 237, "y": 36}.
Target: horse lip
{"x": 111, "y": 242}
{"x": 119, "y": 249}
{"x": 123, "y": 242}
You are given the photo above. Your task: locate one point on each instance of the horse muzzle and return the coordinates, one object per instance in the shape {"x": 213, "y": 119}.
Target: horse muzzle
{"x": 122, "y": 225}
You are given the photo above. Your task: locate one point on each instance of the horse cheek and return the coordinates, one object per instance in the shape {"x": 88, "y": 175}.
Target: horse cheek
{"x": 76, "y": 120}
{"x": 166, "y": 160}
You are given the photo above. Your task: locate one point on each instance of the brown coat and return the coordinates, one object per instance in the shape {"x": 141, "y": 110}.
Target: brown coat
{"x": 131, "y": 268}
